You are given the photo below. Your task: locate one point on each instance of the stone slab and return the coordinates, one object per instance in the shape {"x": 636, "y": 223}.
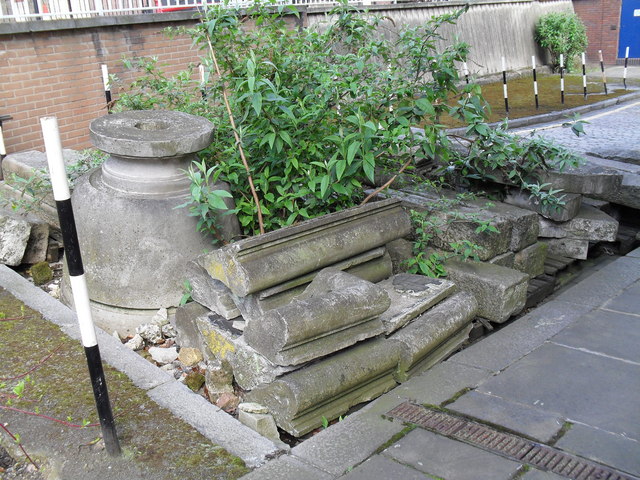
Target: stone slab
{"x": 530, "y": 260}
{"x": 590, "y": 224}
{"x": 572, "y": 202}
{"x": 400, "y": 251}
{"x": 349, "y": 442}
{"x": 552, "y": 379}
{"x": 627, "y": 301}
{"x": 501, "y": 292}
{"x": 329, "y": 387}
{"x": 335, "y": 311}
{"x": 567, "y": 247}
{"x": 501, "y": 349}
{"x": 534, "y": 474}
{"x": 38, "y": 242}
{"x": 610, "y": 281}
{"x": 607, "y": 333}
{"x": 586, "y": 179}
{"x": 628, "y": 194}
{"x": 434, "y": 334}
{"x": 516, "y": 417}
{"x": 410, "y": 296}
{"x": 604, "y": 447}
{"x": 380, "y": 467}
{"x": 440, "y": 383}
{"x": 445, "y": 458}
{"x": 287, "y": 467}
{"x": 263, "y": 261}
{"x": 209, "y": 292}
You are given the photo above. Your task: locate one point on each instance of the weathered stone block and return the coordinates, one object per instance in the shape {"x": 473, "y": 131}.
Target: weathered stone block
{"x": 410, "y": 296}
{"x": 14, "y": 235}
{"x": 590, "y": 224}
{"x": 209, "y": 292}
{"x": 567, "y": 247}
{"x": 329, "y": 387}
{"x": 586, "y": 179}
{"x": 188, "y": 334}
{"x": 434, "y": 335}
{"x": 38, "y": 243}
{"x": 335, "y": 311}
{"x": 252, "y": 369}
{"x": 400, "y": 251}
{"x": 263, "y": 423}
{"x": 501, "y": 292}
{"x": 260, "y": 262}
{"x": 572, "y": 202}
{"x": 524, "y": 223}
{"x": 531, "y": 260}
{"x": 504, "y": 260}
{"x": 218, "y": 336}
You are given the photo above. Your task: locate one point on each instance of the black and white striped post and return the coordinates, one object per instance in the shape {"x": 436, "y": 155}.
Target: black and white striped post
{"x": 535, "y": 80}
{"x": 562, "y": 79}
{"x": 107, "y": 87}
{"x": 584, "y": 75}
{"x": 604, "y": 77}
{"x": 626, "y": 64}
{"x": 78, "y": 282}
{"x": 504, "y": 86}
{"x": 203, "y": 82}
{"x": 465, "y": 70}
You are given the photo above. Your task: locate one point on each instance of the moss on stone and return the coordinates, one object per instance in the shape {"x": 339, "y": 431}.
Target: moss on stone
{"x": 194, "y": 381}
{"x": 41, "y": 273}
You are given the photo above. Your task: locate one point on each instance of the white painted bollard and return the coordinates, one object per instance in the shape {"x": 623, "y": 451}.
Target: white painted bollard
{"x": 62, "y": 197}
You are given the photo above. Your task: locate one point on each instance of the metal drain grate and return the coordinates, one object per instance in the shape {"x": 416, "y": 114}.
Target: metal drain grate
{"x": 508, "y": 445}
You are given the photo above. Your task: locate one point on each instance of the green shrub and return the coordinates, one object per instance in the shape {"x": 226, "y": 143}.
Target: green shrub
{"x": 561, "y": 33}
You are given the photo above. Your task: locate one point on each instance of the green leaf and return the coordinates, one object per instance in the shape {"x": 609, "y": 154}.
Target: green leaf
{"x": 324, "y": 184}
{"x": 351, "y": 152}
{"x": 256, "y": 102}
{"x": 369, "y": 166}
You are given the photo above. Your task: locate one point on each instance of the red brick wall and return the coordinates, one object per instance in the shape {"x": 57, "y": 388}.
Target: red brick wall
{"x": 58, "y": 73}
{"x": 602, "y": 19}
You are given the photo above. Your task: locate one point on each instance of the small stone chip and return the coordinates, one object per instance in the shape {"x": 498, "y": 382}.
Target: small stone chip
{"x": 409, "y": 283}
{"x": 252, "y": 407}
{"x": 190, "y": 356}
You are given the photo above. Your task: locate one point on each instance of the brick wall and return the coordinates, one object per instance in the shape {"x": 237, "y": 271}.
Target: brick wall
{"x": 602, "y": 19}
{"x": 58, "y": 73}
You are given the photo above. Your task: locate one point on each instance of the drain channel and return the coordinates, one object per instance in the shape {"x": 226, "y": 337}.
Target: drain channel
{"x": 505, "y": 444}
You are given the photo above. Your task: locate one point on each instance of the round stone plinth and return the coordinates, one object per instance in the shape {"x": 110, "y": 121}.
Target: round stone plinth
{"x": 135, "y": 242}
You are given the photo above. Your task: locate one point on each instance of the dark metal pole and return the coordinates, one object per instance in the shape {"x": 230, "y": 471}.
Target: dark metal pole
{"x": 62, "y": 196}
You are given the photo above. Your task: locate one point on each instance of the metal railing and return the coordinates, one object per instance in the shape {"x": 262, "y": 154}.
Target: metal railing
{"x": 33, "y": 10}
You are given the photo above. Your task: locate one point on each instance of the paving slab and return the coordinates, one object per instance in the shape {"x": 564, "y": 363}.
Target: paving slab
{"x": 519, "y": 418}
{"x": 607, "y": 333}
{"x": 502, "y": 348}
{"x": 287, "y": 468}
{"x": 583, "y": 387}
{"x": 450, "y": 459}
{"x": 627, "y": 301}
{"x": 347, "y": 443}
{"x": 603, "y": 447}
{"x": 383, "y": 468}
{"x": 609, "y": 281}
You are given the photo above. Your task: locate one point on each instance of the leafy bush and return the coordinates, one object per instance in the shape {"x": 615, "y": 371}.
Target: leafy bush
{"x": 561, "y": 33}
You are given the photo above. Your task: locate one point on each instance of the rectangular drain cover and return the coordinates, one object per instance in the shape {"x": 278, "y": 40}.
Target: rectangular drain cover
{"x": 505, "y": 444}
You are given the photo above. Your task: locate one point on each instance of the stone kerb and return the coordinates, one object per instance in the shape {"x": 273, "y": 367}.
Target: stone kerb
{"x": 257, "y": 263}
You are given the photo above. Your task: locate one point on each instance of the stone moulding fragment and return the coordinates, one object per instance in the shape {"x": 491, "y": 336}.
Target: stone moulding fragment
{"x": 335, "y": 311}
{"x": 328, "y": 388}
{"x": 260, "y": 262}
